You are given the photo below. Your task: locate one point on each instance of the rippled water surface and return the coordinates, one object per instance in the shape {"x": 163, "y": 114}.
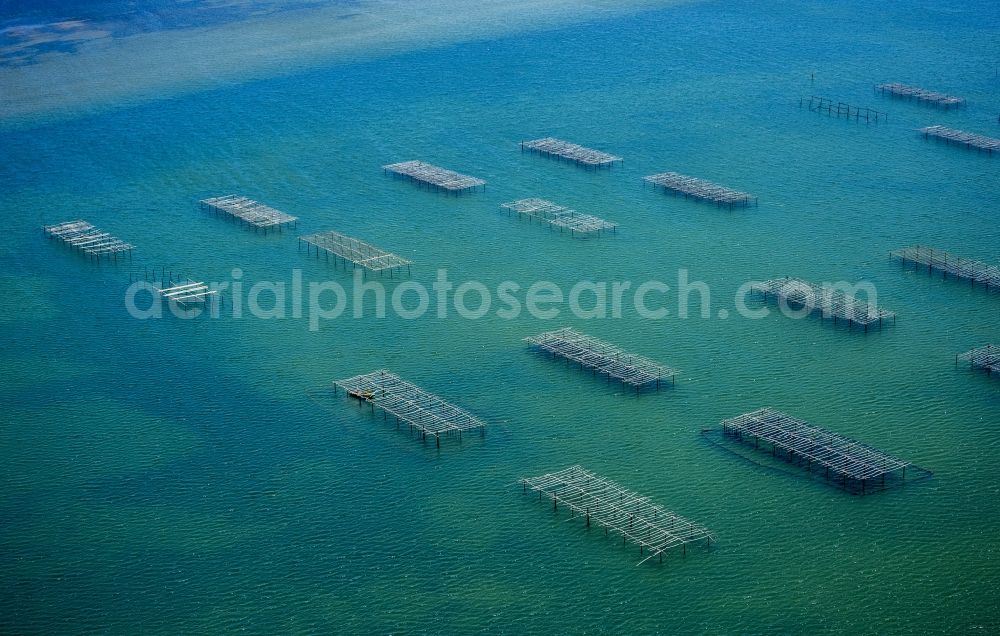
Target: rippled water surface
{"x": 185, "y": 476}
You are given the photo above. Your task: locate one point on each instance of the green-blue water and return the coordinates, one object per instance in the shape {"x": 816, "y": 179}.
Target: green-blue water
{"x": 196, "y": 476}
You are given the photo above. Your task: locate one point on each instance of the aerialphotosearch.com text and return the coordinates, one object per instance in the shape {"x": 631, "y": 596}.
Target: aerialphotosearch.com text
{"x": 319, "y": 302}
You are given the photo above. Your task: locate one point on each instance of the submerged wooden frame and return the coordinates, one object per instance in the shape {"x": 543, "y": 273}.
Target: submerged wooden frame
{"x": 422, "y": 411}
{"x": 949, "y": 264}
{"x": 635, "y": 517}
{"x": 245, "y": 210}
{"x": 82, "y": 236}
{"x": 700, "y": 189}
{"x": 603, "y": 357}
{"x": 580, "y": 155}
{"x": 434, "y": 176}
{"x": 835, "y": 454}
{"x": 827, "y": 300}
{"x": 559, "y": 216}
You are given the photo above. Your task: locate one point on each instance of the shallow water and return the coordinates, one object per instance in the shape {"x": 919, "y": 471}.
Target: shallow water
{"x": 196, "y": 475}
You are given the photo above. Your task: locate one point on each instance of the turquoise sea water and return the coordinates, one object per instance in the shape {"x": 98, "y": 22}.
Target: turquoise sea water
{"x": 187, "y": 476}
